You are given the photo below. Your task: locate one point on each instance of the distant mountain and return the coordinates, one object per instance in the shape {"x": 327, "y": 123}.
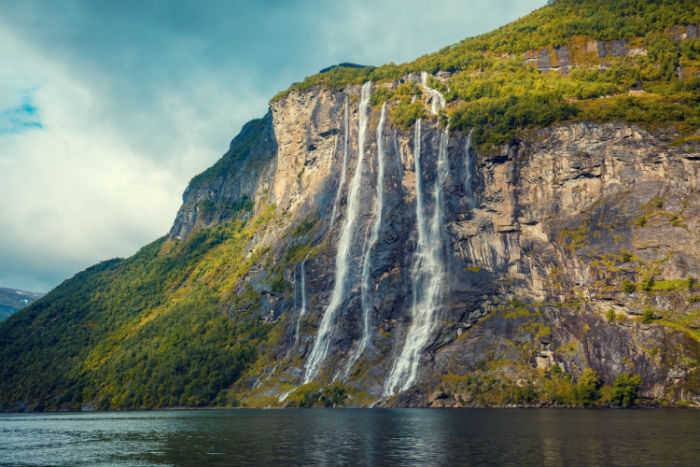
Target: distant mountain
{"x": 12, "y": 300}
{"x": 344, "y": 64}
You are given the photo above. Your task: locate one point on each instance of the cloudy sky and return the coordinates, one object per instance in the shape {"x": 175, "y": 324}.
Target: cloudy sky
{"x": 108, "y": 108}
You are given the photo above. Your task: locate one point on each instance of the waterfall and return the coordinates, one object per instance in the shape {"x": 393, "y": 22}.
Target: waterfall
{"x": 374, "y": 236}
{"x": 302, "y": 310}
{"x": 325, "y": 330}
{"x": 428, "y": 271}
{"x": 397, "y": 155}
{"x": 468, "y": 165}
{"x": 345, "y": 165}
{"x": 437, "y": 100}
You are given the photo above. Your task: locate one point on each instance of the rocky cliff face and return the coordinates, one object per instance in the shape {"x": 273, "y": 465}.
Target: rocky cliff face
{"x": 541, "y": 258}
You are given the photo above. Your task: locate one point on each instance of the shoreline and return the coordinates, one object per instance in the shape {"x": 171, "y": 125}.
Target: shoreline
{"x": 499, "y": 407}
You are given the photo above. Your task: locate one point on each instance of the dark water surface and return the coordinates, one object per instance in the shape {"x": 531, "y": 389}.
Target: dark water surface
{"x": 386, "y": 437}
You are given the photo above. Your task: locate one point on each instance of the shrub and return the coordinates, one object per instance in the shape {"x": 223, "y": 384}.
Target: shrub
{"x": 628, "y": 286}
{"x": 305, "y": 226}
{"x": 314, "y": 395}
{"x": 626, "y": 389}
{"x": 406, "y": 112}
{"x": 588, "y": 387}
{"x": 610, "y": 315}
{"x": 648, "y": 283}
{"x": 625, "y": 256}
{"x": 648, "y": 316}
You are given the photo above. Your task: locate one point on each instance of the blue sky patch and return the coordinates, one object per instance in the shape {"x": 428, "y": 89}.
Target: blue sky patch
{"x": 22, "y": 118}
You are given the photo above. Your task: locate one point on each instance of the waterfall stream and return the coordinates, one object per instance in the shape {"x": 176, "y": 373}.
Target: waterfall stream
{"x": 428, "y": 271}
{"x": 469, "y": 168}
{"x": 437, "y": 100}
{"x": 374, "y": 236}
{"x": 325, "y": 331}
{"x": 302, "y": 310}
{"x": 345, "y": 165}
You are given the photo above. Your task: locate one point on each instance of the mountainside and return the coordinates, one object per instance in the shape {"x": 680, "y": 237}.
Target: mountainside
{"x": 12, "y": 300}
{"x": 511, "y": 220}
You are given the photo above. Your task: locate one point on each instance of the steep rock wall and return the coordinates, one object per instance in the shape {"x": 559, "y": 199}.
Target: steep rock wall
{"x": 562, "y": 222}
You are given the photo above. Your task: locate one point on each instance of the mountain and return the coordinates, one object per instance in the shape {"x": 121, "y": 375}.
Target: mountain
{"x": 12, "y": 300}
{"x": 510, "y": 220}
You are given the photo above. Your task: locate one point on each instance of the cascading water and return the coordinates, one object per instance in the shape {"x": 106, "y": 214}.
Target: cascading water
{"x": 302, "y": 310}
{"x": 437, "y": 100}
{"x": 428, "y": 271}
{"x": 374, "y": 236}
{"x": 323, "y": 337}
{"x": 468, "y": 166}
{"x": 345, "y": 166}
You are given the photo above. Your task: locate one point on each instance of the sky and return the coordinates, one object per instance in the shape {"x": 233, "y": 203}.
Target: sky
{"x": 109, "y": 108}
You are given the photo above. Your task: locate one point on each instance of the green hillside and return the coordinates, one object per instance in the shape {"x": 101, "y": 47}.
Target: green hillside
{"x": 151, "y": 330}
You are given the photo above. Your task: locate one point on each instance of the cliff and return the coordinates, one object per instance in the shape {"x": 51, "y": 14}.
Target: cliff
{"x": 538, "y": 243}
{"x": 480, "y": 233}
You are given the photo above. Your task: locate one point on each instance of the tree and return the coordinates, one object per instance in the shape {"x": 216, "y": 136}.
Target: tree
{"x": 626, "y": 389}
{"x": 588, "y": 387}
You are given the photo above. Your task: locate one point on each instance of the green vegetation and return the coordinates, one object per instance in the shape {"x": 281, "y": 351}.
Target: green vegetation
{"x": 647, "y": 283}
{"x": 491, "y": 387}
{"x": 628, "y": 286}
{"x": 406, "y": 112}
{"x": 305, "y": 226}
{"x": 498, "y": 120}
{"x": 610, "y": 315}
{"x": 626, "y": 389}
{"x": 152, "y": 330}
{"x": 588, "y": 387}
{"x": 648, "y": 316}
{"x": 315, "y": 395}
{"x": 493, "y": 90}
{"x": 625, "y": 256}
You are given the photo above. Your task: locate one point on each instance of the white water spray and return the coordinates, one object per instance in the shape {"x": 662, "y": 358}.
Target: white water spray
{"x": 302, "y": 310}
{"x": 345, "y": 165}
{"x": 428, "y": 271}
{"x": 374, "y": 236}
{"x": 437, "y": 100}
{"x": 325, "y": 330}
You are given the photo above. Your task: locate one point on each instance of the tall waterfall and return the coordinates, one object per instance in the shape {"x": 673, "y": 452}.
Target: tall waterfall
{"x": 469, "y": 169}
{"x": 304, "y": 302}
{"x": 374, "y": 236}
{"x": 325, "y": 330}
{"x": 345, "y": 165}
{"x": 428, "y": 271}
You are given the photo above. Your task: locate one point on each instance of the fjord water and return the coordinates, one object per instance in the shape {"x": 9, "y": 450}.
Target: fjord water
{"x": 387, "y": 437}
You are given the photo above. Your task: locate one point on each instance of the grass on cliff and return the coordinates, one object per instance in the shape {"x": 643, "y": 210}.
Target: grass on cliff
{"x": 492, "y": 90}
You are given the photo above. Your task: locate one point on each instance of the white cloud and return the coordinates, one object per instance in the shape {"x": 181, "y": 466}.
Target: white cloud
{"x": 134, "y": 102}
{"x": 87, "y": 188}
